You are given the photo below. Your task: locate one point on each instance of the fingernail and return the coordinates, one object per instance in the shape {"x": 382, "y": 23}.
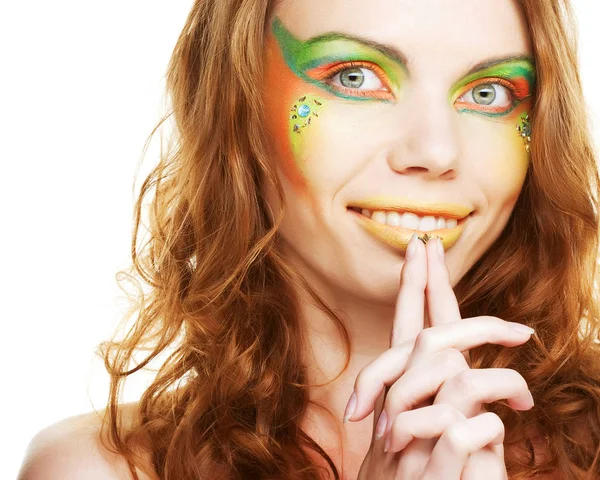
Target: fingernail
{"x": 440, "y": 248}
{"x": 381, "y": 424}
{"x": 350, "y": 407}
{"x": 521, "y": 328}
{"x": 531, "y": 397}
{"x": 387, "y": 444}
{"x": 412, "y": 246}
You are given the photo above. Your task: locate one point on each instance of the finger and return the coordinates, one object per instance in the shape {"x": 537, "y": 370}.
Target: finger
{"x": 410, "y": 303}
{"x": 422, "y": 382}
{"x": 471, "y": 388}
{"x": 466, "y": 334}
{"x": 372, "y": 380}
{"x": 442, "y": 305}
{"x": 486, "y": 463}
{"x": 416, "y": 384}
{"x": 451, "y": 452}
{"x": 426, "y": 422}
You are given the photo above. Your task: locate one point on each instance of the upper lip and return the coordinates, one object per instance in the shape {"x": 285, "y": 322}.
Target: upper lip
{"x": 436, "y": 209}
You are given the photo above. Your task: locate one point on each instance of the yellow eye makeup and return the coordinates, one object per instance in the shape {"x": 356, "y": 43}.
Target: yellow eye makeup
{"x": 318, "y": 60}
{"x": 512, "y": 79}
{"x": 356, "y": 74}
{"x": 362, "y": 70}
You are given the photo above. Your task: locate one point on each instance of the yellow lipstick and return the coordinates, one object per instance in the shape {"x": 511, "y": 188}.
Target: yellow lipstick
{"x": 398, "y": 237}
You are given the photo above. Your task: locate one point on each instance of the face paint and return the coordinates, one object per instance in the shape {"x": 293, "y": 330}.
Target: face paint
{"x": 513, "y": 80}
{"x": 302, "y": 115}
{"x": 322, "y": 60}
{"x": 524, "y": 130}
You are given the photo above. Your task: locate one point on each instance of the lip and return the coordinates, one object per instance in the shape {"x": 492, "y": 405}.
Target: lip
{"x": 435, "y": 209}
{"x": 398, "y": 237}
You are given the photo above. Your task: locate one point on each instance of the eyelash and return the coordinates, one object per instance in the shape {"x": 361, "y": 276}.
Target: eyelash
{"x": 330, "y": 72}
{"x": 326, "y": 75}
{"x": 512, "y": 91}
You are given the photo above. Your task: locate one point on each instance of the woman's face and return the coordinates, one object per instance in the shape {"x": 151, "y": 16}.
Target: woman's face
{"x": 406, "y": 109}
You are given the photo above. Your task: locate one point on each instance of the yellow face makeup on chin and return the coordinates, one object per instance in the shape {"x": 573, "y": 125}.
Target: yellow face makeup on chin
{"x": 421, "y": 124}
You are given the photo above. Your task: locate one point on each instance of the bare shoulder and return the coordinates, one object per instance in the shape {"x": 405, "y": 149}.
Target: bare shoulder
{"x": 72, "y": 448}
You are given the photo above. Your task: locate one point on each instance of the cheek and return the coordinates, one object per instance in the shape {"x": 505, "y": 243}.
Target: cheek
{"x": 502, "y": 158}
{"x": 293, "y": 109}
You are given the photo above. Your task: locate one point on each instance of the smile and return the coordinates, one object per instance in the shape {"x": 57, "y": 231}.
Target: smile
{"x": 410, "y": 220}
{"x": 395, "y": 228}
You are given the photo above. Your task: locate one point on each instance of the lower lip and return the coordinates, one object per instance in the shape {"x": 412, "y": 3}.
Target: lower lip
{"x": 398, "y": 237}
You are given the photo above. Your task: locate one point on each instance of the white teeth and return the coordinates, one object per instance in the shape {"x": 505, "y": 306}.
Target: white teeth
{"x": 393, "y": 219}
{"x": 379, "y": 217}
{"x": 427, "y": 224}
{"x": 410, "y": 220}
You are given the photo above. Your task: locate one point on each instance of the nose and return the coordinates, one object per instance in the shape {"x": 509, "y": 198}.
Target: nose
{"x": 428, "y": 142}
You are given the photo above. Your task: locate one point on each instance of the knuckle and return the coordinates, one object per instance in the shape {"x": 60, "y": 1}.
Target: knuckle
{"x": 425, "y": 340}
{"x": 400, "y": 424}
{"x": 466, "y": 382}
{"x": 366, "y": 379}
{"x": 454, "y": 359}
{"x": 448, "y": 414}
{"x": 457, "y": 439}
{"x": 520, "y": 379}
{"x": 395, "y": 399}
{"x": 495, "y": 421}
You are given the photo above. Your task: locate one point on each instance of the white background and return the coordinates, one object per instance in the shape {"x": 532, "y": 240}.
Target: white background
{"x": 83, "y": 87}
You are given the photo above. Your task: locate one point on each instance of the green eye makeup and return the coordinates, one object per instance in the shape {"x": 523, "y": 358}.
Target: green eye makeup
{"x": 359, "y": 69}
{"x": 516, "y": 76}
{"x": 321, "y": 59}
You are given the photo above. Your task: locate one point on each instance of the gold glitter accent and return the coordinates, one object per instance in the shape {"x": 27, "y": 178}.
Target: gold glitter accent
{"x": 425, "y": 238}
{"x": 524, "y": 131}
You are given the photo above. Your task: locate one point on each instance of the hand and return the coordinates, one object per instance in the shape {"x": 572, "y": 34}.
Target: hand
{"x": 452, "y": 437}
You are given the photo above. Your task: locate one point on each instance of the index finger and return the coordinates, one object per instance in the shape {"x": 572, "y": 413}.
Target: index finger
{"x": 441, "y": 300}
{"x": 410, "y": 303}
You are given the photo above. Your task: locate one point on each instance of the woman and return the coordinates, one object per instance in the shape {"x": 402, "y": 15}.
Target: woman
{"x": 289, "y": 285}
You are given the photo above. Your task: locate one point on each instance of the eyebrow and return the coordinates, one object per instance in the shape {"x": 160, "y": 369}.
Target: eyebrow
{"x": 400, "y": 57}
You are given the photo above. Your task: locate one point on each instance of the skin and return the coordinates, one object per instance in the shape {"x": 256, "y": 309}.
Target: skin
{"x": 416, "y": 133}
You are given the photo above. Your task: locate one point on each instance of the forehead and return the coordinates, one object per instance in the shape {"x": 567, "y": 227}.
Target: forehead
{"x": 443, "y": 34}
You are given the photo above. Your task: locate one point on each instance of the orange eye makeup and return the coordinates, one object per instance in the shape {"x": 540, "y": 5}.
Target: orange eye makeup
{"x": 511, "y": 82}
{"x": 362, "y": 70}
{"x": 318, "y": 60}
{"x": 363, "y": 79}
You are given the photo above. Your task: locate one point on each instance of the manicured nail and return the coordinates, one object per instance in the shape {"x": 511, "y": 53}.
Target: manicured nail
{"x": 387, "y": 443}
{"x": 350, "y": 407}
{"x": 522, "y": 328}
{"x": 381, "y": 424}
{"x": 412, "y": 246}
{"x": 440, "y": 248}
{"x": 531, "y": 397}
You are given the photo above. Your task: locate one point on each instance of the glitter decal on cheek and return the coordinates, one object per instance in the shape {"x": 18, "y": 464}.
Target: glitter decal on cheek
{"x": 301, "y": 116}
{"x": 524, "y": 130}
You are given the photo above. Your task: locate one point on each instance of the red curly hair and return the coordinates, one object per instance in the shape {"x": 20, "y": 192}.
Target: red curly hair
{"x": 221, "y": 301}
